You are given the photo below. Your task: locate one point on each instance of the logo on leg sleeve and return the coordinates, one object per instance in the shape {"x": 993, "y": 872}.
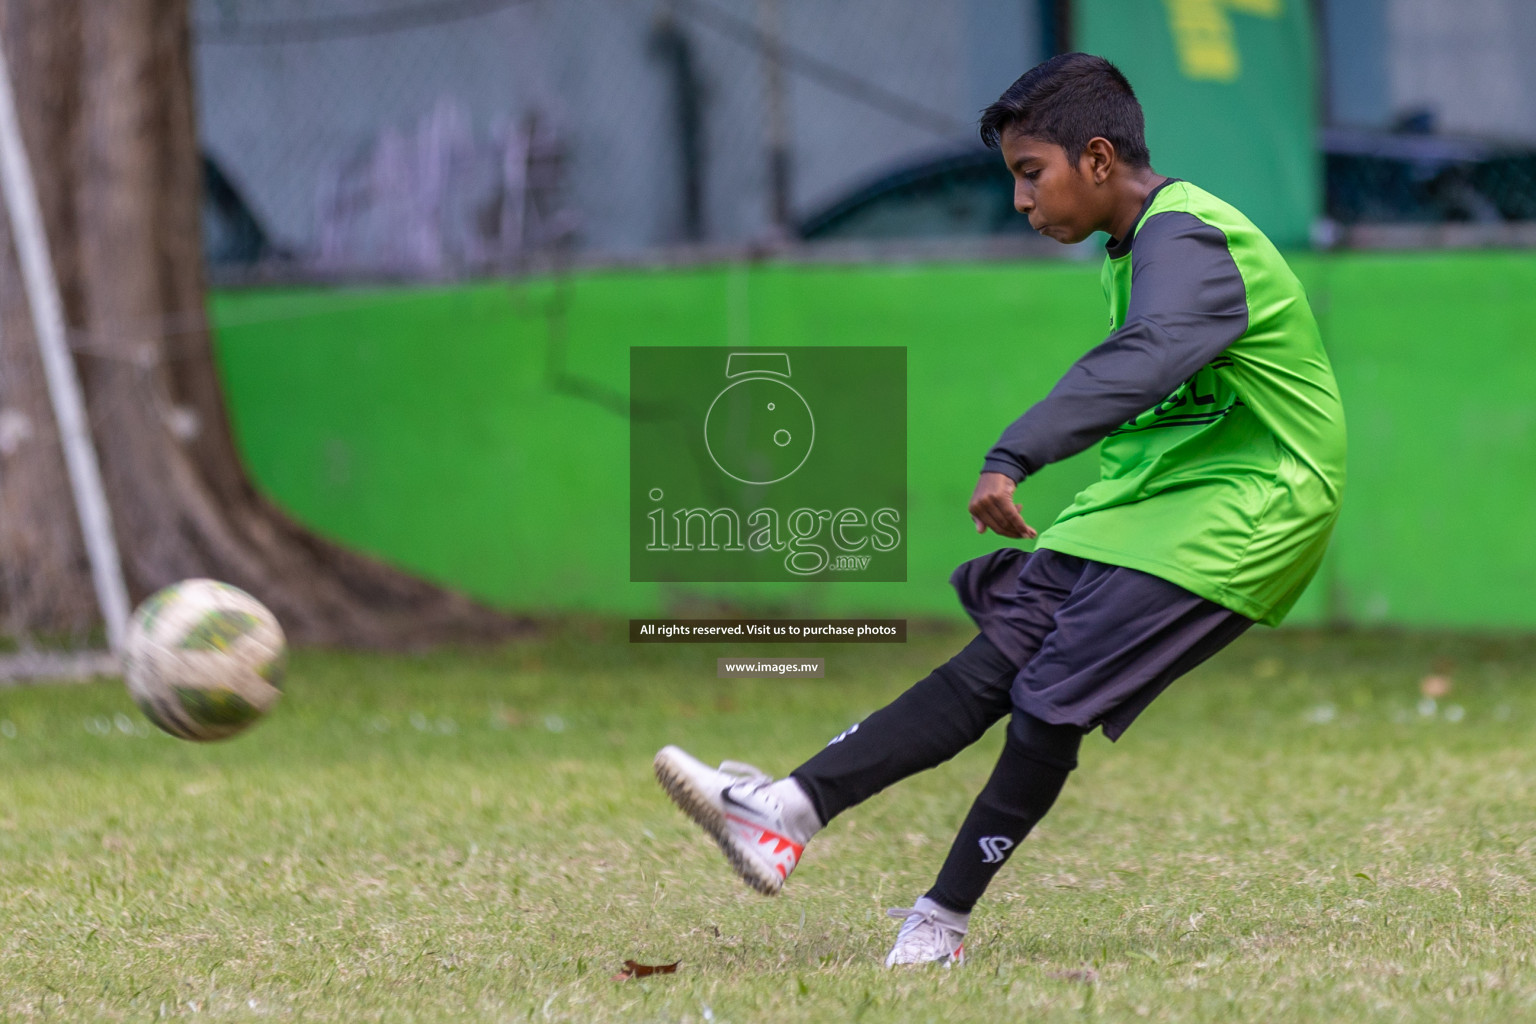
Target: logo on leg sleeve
{"x": 994, "y": 849}
{"x": 844, "y": 734}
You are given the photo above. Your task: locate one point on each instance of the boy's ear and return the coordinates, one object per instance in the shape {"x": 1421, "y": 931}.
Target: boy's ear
{"x": 1099, "y": 159}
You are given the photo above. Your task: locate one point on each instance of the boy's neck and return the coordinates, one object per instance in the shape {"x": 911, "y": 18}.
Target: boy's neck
{"x": 1130, "y": 197}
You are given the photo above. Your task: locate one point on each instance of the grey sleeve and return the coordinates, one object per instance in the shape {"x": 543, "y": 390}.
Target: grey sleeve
{"x": 1187, "y": 305}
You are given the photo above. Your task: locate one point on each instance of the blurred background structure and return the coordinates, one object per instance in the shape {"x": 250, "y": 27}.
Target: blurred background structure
{"x": 435, "y": 228}
{"x": 445, "y": 137}
{"x": 434, "y": 136}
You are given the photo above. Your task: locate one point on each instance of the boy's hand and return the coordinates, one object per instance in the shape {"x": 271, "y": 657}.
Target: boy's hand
{"x": 992, "y": 506}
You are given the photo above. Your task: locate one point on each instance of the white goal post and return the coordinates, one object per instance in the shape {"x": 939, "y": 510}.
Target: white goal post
{"x": 63, "y": 383}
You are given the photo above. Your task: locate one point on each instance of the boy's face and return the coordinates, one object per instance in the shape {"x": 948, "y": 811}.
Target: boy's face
{"x": 1058, "y": 195}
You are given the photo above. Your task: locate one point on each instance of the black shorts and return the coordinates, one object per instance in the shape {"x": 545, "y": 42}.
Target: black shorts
{"x": 1093, "y": 643}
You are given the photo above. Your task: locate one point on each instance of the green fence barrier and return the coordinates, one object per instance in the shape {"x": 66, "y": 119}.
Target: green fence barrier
{"x": 477, "y": 435}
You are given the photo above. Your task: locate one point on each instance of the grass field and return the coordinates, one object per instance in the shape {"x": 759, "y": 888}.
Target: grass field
{"x": 1293, "y": 833}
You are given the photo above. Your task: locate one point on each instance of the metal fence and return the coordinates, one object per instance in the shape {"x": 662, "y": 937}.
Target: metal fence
{"x": 439, "y": 138}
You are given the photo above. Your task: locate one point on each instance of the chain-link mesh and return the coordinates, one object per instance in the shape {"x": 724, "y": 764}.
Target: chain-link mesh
{"x": 440, "y": 137}
{"x": 436, "y": 136}
{"x": 1424, "y": 179}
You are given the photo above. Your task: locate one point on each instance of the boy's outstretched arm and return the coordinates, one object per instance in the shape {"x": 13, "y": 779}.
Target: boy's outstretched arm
{"x": 1187, "y": 305}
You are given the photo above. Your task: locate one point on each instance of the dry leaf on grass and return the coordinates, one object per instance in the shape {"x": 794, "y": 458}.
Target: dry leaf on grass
{"x": 634, "y": 969}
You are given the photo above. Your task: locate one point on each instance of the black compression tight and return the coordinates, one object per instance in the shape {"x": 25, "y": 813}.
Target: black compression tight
{"x": 931, "y": 722}
{"x": 1033, "y": 767}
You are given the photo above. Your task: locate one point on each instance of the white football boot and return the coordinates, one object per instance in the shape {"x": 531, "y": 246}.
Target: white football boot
{"x": 930, "y": 934}
{"x": 761, "y": 825}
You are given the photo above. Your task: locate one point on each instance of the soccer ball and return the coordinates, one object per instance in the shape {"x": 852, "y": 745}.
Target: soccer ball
{"x": 203, "y": 660}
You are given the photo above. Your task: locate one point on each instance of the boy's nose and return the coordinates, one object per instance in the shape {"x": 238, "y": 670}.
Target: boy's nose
{"x": 1022, "y": 200}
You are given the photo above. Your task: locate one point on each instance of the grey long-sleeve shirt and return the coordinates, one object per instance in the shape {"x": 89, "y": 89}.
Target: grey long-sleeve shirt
{"x": 1187, "y": 304}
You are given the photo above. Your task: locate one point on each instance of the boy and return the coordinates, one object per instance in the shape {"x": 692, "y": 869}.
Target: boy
{"x": 1222, "y": 465}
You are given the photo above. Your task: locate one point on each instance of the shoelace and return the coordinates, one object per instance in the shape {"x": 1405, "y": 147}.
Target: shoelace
{"x": 930, "y": 940}
{"x": 747, "y": 772}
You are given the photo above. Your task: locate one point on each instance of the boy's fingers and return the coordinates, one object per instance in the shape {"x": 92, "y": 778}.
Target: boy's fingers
{"x": 992, "y": 508}
{"x": 1006, "y": 520}
{"x": 1003, "y": 518}
{"x": 986, "y": 514}
{"x": 1008, "y": 512}
{"x": 1028, "y": 531}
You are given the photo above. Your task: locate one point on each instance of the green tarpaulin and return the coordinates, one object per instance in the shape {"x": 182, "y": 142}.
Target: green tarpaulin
{"x": 1227, "y": 86}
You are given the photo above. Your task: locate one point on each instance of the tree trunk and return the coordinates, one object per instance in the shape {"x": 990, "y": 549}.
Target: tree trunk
{"x": 104, "y": 92}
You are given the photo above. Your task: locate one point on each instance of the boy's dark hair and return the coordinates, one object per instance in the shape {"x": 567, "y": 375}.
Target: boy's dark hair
{"x": 1068, "y": 100}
